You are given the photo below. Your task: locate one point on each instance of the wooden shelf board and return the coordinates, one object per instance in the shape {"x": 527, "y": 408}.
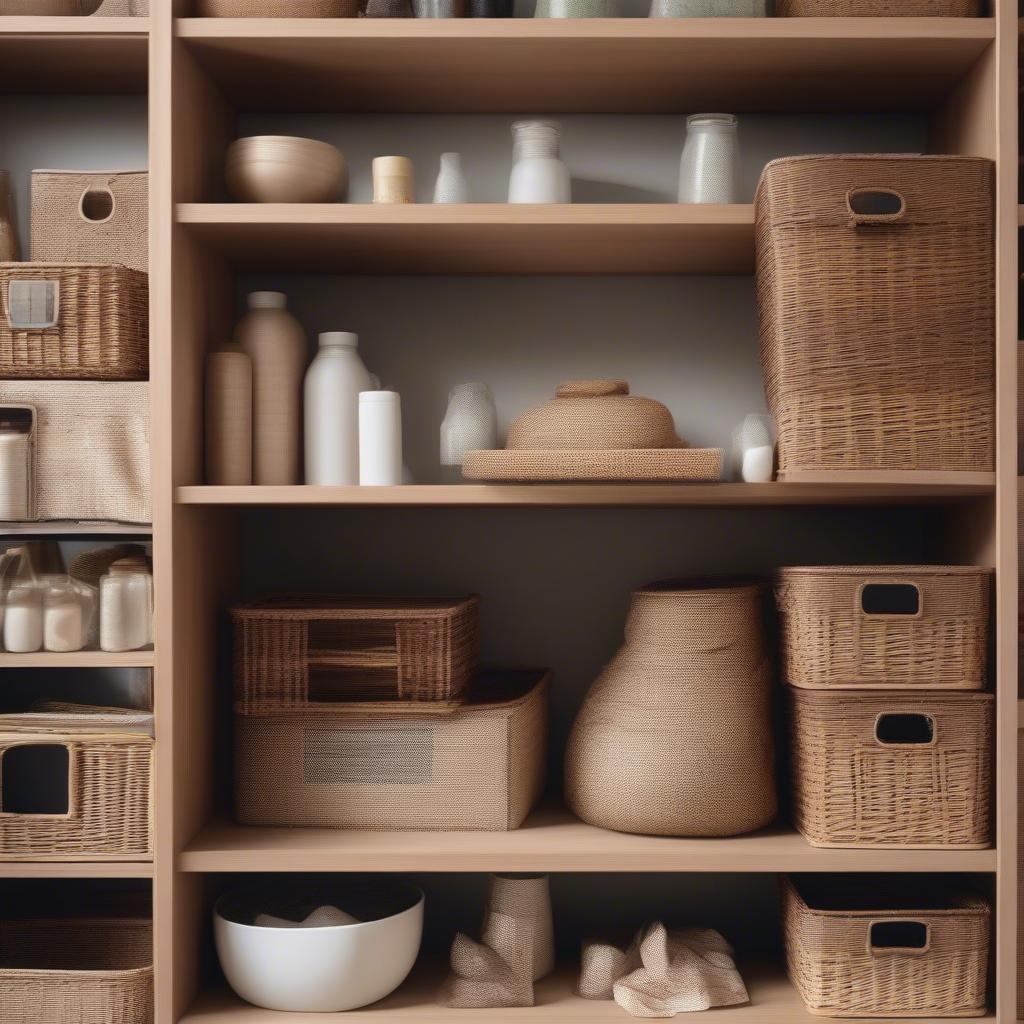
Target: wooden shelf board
{"x": 773, "y": 1000}
{"x": 73, "y": 528}
{"x": 78, "y": 869}
{"x": 602, "y": 65}
{"x": 552, "y": 839}
{"x": 78, "y": 659}
{"x": 591, "y": 495}
{"x": 75, "y": 55}
{"x": 480, "y": 238}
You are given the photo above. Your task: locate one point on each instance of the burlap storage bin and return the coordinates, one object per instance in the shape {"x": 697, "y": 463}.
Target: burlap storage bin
{"x": 92, "y": 216}
{"x": 877, "y": 329}
{"x": 298, "y": 650}
{"x": 85, "y": 321}
{"x": 891, "y": 769}
{"x": 92, "y": 448}
{"x": 877, "y": 8}
{"x": 871, "y": 946}
{"x": 884, "y": 627}
{"x": 675, "y": 736}
{"x": 76, "y": 971}
{"x": 109, "y": 786}
{"x": 479, "y": 767}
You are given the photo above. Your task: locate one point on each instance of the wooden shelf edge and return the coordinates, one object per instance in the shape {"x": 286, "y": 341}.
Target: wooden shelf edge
{"x": 78, "y": 659}
{"x": 78, "y": 869}
{"x": 89, "y": 27}
{"x": 69, "y": 527}
{"x": 589, "y": 495}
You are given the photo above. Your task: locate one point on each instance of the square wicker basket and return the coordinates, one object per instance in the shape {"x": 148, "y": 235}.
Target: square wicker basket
{"x": 867, "y": 946}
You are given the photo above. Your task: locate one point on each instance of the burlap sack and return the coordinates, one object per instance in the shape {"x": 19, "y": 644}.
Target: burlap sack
{"x": 675, "y": 737}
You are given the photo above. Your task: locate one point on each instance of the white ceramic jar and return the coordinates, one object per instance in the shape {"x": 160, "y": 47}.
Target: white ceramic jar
{"x": 68, "y": 609}
{"x": 709, "y": 166}
{"x": 538, "y": 174}
{"x": 333, "y": 383}
{"x": 126, "y": 606}
{"x": 23, "y": 619}
{"x": 451, "y": 185}
{"x": 380, "y": 438}
{"x": 470, "y": 423}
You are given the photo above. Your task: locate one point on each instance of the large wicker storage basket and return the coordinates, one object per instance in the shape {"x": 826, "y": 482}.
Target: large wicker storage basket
{"x": 877, "y": 8}
{"x": 877, "y": 328}
{"x": 884, "y": 627}
{"x": 73, "y": 321}
{"x": 892, "y": 770}
{"x": 91, "y": 445}
{"x": 868, "y": 946}
{"x": 109, "y": 786}
{"x": 95, "y": 216}
{"x": 480, "y": 767}
{"x": 76, "y": 971}
{"x": 299, "y": 650}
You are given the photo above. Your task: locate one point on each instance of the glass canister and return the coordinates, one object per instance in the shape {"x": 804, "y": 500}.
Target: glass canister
{"x": 538, "y": 174}
{"x": 709, "y": 167}
{"x": 23, "y": 619}
{"x": 126, "y": 606}
{"x": 69, "y": 613}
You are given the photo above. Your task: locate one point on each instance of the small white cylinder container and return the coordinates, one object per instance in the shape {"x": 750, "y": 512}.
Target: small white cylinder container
{"x": 380, "y": 438}
{"x": 23, "y": 620}
{"x": 126, "y": 606}
{"x": 709, "y": 166}
{"x": 538, "y": 174}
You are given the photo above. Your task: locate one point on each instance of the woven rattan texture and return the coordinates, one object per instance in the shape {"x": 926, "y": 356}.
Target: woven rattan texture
{"x": 322, "y": 649}
{"x": 650, "y": 464}
{"x": 61, "y": 231}
{"x": 109, "y": 791}
{"x": 480, "y": 768}
{"x": 838, "y": 973}
{"x": 92, "y": 448}
{"x": 851, "y": 790}
{"x": 829, "y": 642}
{"x": 877, "y": 340}
{"x": 877, "y": 8}
{"x": 76, "y": 971}
{"x": 102, "y": 329}
{"x": 675, "y": 736}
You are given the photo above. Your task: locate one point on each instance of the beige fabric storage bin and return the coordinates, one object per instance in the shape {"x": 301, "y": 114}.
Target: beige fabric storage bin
{"x": 92, "y": 448}
{"x": 877, "y": 946}
{"x": 479, "y": 767}
{"x": 892, "y": 769}
{"x": 76, "y": 971}
{"x": 107, "y": 755}
{"x": 886, "y": 627}
{"x": 875, "y": 294}
{"x": 91, "y": 216}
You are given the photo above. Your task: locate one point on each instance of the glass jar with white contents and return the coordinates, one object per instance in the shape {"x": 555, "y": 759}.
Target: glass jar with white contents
{"x": 126, "y": 606}
{"x": 23, "y": 619}
{"x": 709, "y": 166}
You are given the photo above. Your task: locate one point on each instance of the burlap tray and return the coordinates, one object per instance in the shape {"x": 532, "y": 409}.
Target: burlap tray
{"x": 536, "y": 464}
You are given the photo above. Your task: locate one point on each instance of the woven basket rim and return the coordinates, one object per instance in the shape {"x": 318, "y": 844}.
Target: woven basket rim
{"x": 353, "y": 606}
{"x": 687, "y": 585}
{"x": 868, "y": 570}
{"x": 867, "y": 157}
{"x": 71, "y": 265}
{"x": 87, "y": 174}
{"x": 963, "y": 903}
{"x": 894, "y": 695}
{"x": 552, "y": 464}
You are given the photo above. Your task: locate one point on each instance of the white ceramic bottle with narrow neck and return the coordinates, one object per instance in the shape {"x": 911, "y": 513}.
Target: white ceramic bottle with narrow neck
{"x": 333, "y": 382}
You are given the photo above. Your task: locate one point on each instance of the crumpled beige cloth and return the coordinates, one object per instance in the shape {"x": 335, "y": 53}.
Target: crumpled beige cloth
{"x": 679, "y": 971}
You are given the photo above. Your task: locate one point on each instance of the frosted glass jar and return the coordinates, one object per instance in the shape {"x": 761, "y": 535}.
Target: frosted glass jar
{"x": 451, "y": 185}
{"x": 23, "y": 619}
{"x": 538, "y": 174}
{"x": 333, "y": 383}
{"x": 470, "y": 423}
{"x": 126, "y": 606}
{"x": 69, "y": 611}
{"x": 709, "y": 167}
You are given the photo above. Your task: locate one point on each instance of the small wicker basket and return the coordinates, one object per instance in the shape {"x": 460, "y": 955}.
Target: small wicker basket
{"x": 297, "y": 650}
{"x": 865, "y": 946}
{"x": 884, "y": 627}
{"x": 76, "y": 971}
{"x": 73, "y": 321}
{"x": 877, "y": 8}
{"x": 892, "y": 770}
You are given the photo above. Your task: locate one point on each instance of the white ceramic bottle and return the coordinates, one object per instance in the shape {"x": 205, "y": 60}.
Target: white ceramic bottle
{"x": 538, "y": 174}
{"x": 380, "y": 438}
{"x": 276, "y": 343}
{"x": 333, "y": 382}
{"x": 451, "y": 185}
{"x": 709, "y": 166}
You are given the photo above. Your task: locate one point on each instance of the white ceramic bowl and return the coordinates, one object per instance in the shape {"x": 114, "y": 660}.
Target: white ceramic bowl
{"x": 323, "y": 970}
{"x": 284, "y": 169}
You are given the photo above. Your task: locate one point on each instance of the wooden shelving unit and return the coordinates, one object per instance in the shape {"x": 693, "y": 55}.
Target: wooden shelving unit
{"x": 203, "y": 76}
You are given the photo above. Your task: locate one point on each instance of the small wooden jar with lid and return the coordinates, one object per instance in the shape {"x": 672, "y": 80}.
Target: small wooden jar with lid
{"x": 392, "y": 180}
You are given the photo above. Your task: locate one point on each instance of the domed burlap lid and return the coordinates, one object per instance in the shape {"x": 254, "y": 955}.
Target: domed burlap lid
{"x": 595, "y": 430}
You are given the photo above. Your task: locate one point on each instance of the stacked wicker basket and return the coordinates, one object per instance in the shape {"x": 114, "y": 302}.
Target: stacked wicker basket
{"x": 74, "y": 348}
{"x": 370, "y": 713}
{"x": 891, "y": 743}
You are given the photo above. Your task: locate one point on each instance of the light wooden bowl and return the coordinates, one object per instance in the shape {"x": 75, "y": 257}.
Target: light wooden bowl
{"x": 284, "y": 169}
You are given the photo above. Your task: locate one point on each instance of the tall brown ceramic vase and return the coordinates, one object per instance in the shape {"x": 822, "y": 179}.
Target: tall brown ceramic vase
{"x": 276, "y": 343}
{"x": 675, "y": 736}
